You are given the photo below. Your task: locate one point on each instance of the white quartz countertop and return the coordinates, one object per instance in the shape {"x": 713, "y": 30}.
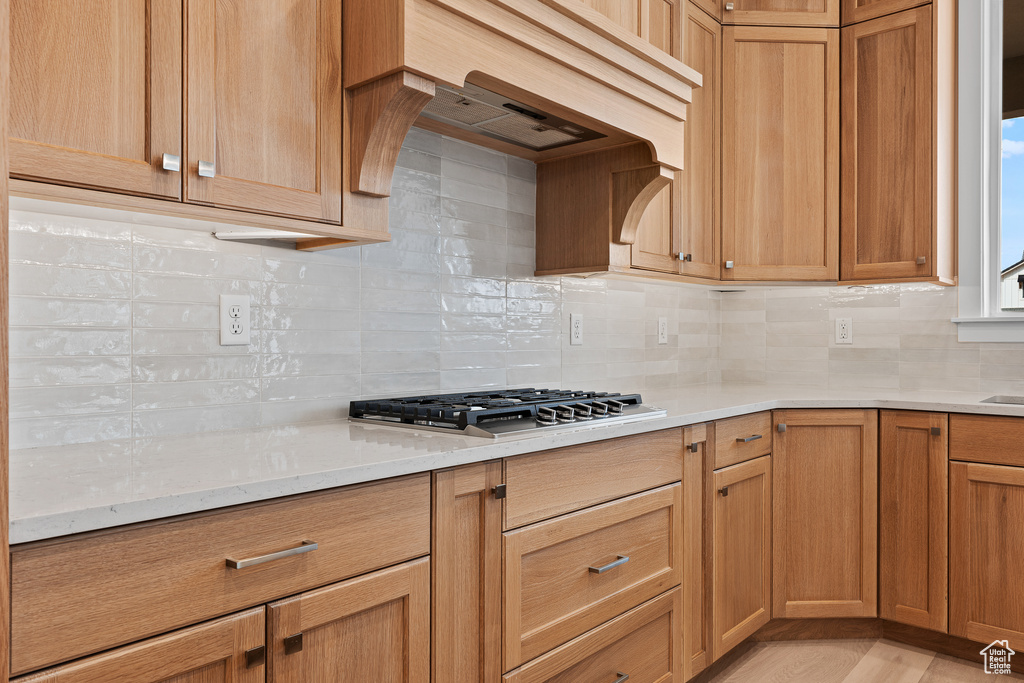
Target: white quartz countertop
{"x": 71, "y": 489}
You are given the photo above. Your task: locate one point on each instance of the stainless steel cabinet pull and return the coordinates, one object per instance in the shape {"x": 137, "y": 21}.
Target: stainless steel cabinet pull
{"x": 728, "y": 264}
{"x": 207, "y": 169}
{"x": 755, "y": 437}
{"x": 782, "y": 427}
{"x": 622, "y": 559}
{"x": 684, "y": 257}
{"x": 729, "y": 6}
{"x": 172, "y": 162}
{"x": 306, "y": 547}
{"x": 724, "y": 490}
{"x": 921, "y": 260}
{"x": 936, "y": 431}
{"x": 621, "y": 677}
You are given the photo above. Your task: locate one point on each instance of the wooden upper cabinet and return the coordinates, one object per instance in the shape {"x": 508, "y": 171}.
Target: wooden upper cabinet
{"x": 711, "y": 7}
{"x": 698, "y": 185}
{"x": 656, "y": 21}
{"x": 372, "y": 628}
{"x": 264, "y": 106}
{"x": 214, "y": 652}
{"x": 780, "y": 159}
{"x": 862, "y": 10}
{"x": 655, "y": 246}
{"x": 897, "y": 145}
{"x": 825, "y": 505}
{"x": 96, "y": 94}
{"x": 782, "y": 12}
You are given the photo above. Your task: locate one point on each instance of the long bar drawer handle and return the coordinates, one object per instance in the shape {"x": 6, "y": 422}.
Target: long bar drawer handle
{"x": 622, "y": 678}
{"x": 740, "y": 439}
{"x": 622, "y": 559}
{"x": 306, "y": 547}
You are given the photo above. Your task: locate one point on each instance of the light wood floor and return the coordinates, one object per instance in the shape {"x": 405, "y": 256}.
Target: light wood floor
{"x": 850, "y": 661}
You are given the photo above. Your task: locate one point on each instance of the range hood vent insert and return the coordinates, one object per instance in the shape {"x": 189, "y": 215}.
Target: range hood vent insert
{"x": 481, "y": 111}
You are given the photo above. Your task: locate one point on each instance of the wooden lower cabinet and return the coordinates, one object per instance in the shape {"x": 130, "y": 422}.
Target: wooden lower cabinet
{"x": 466, "y": 568}
{"x": 742, "y": 551}
{"x": 986, "y": 543}
{"x": 698, "y": 547}
{"x": 372, "y": 628}
{"x": 913, "y": 494}
{"x": 642, "y": 646}
{"x": 214, "y": 652}
{"x": 825, "y": 504}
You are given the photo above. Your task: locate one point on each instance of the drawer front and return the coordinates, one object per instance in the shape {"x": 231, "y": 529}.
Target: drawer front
{"x": 570, "y": 574}
{"x": 742, "y": 438}
{"x": 987, "y": 439}
{"x": 643, "y": 644}
{"x": 90, "y": 593}
{"x": 544, "y": 485}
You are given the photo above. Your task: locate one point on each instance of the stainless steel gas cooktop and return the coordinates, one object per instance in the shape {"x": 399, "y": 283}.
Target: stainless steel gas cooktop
{"x": 505, "y": 412}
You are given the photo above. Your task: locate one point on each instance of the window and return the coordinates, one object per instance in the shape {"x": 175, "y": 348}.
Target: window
{"x": 991, "y": 160}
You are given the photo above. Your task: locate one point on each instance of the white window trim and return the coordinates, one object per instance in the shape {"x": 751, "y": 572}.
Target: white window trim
{"x": 980, "y": 79}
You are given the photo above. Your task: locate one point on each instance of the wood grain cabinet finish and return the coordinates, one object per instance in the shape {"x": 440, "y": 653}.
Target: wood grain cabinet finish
{"x": 698, "y": 187}
{"x": 643, "y": 644}
{"x": 987, "y": 439}
{"x": 986, "y": 553}
{"x": 656, "y": 21}
{"x": 898, "y": 216}
{"x": 913, "y": 527}
{"x": 742, "y": 438}
{"x": 72, "y": 597}
{"x": 712, "y": 8}
{"x": 550, "y": 483}
{"x": 372, "y": 628}
{"x": 782, "y": 12}
{"x": 780, "y": 153}
{"x": 214, "y": 652}
{"x": 698, "y": 549}
{"x": 96, "y": 94}
{"x": 466, "y": 567}
{"x": 825, "y": 504}
{"x": 565, "y": 576}
{"x": 264, "y": 106}
{"x": 854, "y": 11}
{"x": 742, "y": 562}
{"x": 657, "y": 234}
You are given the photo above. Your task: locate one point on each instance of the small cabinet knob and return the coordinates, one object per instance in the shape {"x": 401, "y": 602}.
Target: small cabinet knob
{"x": 207, "y": 169}
{"x": 172, "y": 162}
{"x": 921, "y": 260}
{"x": 724, "y": 491}
{"x": 936, "y": 431}
{"x": 684, "y": 257}
{"x": 728, "y": 7}
{"x": 728, "y": 264}
{"x": 782, "y": 427}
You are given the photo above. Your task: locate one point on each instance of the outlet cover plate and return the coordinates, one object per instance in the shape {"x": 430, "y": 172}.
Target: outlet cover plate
{"x": 575, "y": 329}
{"x": 235, "y": 320}
{"x": 844, "y": 330}
{"x": 663, "y": 330}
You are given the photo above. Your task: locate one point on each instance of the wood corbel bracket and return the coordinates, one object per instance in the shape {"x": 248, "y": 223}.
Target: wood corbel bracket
{"x": 632, "y": 191}
{"x": 382, "y": 113}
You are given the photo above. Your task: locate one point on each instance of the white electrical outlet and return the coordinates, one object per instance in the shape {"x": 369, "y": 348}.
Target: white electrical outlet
{"x": 235, "y": 321}
{"x": 663, "y": 330}
{"x": 844, "y": 330}
{"x": 575, "y": 329}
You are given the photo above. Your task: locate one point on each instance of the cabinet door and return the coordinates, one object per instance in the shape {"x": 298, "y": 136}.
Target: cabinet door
{"x": 862, "y": 10}
{"x": 780, "y": 167}
{"x": 656, "y": 21}
{"x": 372, "y": 628}
{"x": 227, "y": 650}
{"x": 466, "y": 566}
{"x": 887, "y": 222}
{"x": 698, "y": 485}
{"x": 264, "y": 106}
{"x": 986, "y": 584}
{"x": 742, "y": 556}
{"x": 912, "y": 536}
{"x": 825, "y": 505}
{"x": 782, "y": 12}
{"x": 96, "y": 93}
{"x": 699, "y": 184}
{"x": 655, "y": 245}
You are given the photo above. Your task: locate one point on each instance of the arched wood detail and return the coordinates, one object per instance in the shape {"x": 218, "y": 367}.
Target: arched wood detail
{"x": 632, "y": 191}
{"x": 382, "y": 114}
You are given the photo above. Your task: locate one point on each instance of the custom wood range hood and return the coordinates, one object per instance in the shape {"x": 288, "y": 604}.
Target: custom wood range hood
{"x": 541, "y": 79}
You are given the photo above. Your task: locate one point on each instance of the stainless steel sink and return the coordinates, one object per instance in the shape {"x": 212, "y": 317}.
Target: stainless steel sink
{"x": 1013, "y": 400}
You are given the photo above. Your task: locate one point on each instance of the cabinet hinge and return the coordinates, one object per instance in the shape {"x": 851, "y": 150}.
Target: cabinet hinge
{"x": 499, "y": 491}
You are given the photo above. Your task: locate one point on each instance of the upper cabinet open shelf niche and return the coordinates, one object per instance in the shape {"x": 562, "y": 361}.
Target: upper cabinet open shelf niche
{"x": 160, "y": 110}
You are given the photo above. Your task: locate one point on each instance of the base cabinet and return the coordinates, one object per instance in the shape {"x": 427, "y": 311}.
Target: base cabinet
{"x": 825, "y": 499}
{"x": 372, "y": 628}
{"x": 698, "y": 547}
{"x": 986, "y": 587}
{"x": 913, "y": 494}
{"x": 227, "y": 650}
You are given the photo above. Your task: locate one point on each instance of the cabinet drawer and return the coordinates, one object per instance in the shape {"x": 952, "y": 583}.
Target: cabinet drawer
{"x": 74, "y": 597}
{"x": 543, "y": 485}
{"x": 986, "y": 438}
{"x": 742, "y": 438}
{"x": 643, "y": 644}
{"x": 567, "y": 575}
